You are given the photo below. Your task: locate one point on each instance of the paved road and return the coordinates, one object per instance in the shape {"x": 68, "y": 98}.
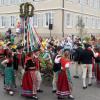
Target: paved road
{"x": 91, "y": 93}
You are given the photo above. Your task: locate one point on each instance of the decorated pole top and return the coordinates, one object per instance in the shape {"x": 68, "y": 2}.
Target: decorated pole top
{"x": 26, "y": 10}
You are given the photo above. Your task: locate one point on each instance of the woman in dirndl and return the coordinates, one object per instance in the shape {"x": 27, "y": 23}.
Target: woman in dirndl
{"x": 64, "y": 83}
{"x": 29, "y": 81}
{"x": 9, "y": 79}
{"x": 97, "y": 65}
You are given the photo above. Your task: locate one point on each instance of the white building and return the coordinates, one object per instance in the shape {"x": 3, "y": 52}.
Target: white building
{"x": 63, "y": 14}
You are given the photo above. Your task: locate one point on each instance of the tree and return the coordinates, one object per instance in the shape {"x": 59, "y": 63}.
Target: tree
{"x": 81, "y": 26}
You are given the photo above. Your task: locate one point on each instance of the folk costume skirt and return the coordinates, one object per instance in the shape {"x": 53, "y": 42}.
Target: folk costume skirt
{"x": 29, "y": 83}
{"x": 97, "y": 72}
{"x": 9, "y": 78}
{"x": 63, "y": 88}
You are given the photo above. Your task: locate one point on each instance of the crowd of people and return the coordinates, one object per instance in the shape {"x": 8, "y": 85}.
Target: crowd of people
{"x": 53, "y": 58}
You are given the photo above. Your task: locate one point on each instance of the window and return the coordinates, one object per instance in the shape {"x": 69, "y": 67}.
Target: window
{"x": 6, "y": 2}
{"x": 36, "y": 0}
{"x": 2, "y": 2}
{"x": 40, "y": 20}
{"x": 68, "y": 20}
{"x": 78, "y": 1}
{"x": 86, "y": 21}
{"x": 35, "y": 20}
{"x": 99, "y": 4}
{"x": 96, "y": 23}
{"x": 85, "y": 2}
{"x": 2, "y": 21}
{"x": 70, "y": 0}
{"x": 7, "y": 21}
{"x": 12, "y": 1}
{"x": 77, "y": 19}
{"x": 99, "y": 23}
{"x": 93, "y": 22}
{"x": 13, "y": 21}
{"x": 48, "y": 19}
{"x": 91, "y": 3}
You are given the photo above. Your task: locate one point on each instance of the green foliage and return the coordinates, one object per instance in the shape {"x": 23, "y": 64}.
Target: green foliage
{"x": 87, "y": 39}
{"x": 26, "y": 10}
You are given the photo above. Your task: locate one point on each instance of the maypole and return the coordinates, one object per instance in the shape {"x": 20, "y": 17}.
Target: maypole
{"x": 26, "y": 11}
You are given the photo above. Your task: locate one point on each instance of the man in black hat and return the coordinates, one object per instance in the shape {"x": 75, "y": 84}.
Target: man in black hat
{"x": 86, "y": 61}
{"x": 77, "y": 53}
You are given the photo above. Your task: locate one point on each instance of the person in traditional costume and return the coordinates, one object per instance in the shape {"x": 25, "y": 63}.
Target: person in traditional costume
{"x": 7, "y": 49}
{"x": 64, "y": 81}
{"x": 77, "y": 54}
{"x": 29, "y": 81}
{"x": 56, "y": 68}
{"x": 97, "y": 64}
{"x": 15, "y": 60}
{"x": 20, "y": 62}
{"x": 38, "y": 73}
{"x": 86, "y": 61}
{"x": 1, "y": 59}
{"x": 48, "y": 57}
{"x": 42, "y": 62}
{"x": 9, "y": 78}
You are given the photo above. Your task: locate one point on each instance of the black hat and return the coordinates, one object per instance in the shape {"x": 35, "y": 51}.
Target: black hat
{"x": 19, "y": 47}
{"x": 59, "y": 48}
{"x": 79, "y": 45}
{"x": 87, "y": 45}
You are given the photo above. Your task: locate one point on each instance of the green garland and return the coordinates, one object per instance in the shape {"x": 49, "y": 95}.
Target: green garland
{"x": 24, "y": 10}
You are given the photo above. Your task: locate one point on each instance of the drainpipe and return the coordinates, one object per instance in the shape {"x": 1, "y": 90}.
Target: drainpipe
{"x": 63, "y": 1}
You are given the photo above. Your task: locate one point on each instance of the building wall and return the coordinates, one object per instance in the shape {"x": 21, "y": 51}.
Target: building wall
{"x": 91, "y": 16}
{"x": 72, "y": 10}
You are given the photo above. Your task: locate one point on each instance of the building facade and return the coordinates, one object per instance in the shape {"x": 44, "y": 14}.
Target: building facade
{"x": 64, "y": 15}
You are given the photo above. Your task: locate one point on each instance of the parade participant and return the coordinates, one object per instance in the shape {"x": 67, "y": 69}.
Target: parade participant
{"x": 56, "y": 68}
{"x": 20, "y": 65}
{"x": 19, "y": 55}
{"x": 97, "y": 64}
{"x": 38, "y": 73}
{"x": 42, "y": 62}
{"x": 9, "y": 79}
{"x": 7, "y": 49}
{"x": 64, "y": 82}
{"x": 1, "y": 59}
{"x": 77, "y": 54}
{"x": 29, "y": 81}
{"x": 48, "y": 55}
{"x": 15, "y": 60}
{"x": 86, "y": 61}
{"x": 48, "y": 58}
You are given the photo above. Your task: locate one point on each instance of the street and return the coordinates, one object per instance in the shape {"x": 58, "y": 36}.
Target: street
{"x": 91, "y": 93}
